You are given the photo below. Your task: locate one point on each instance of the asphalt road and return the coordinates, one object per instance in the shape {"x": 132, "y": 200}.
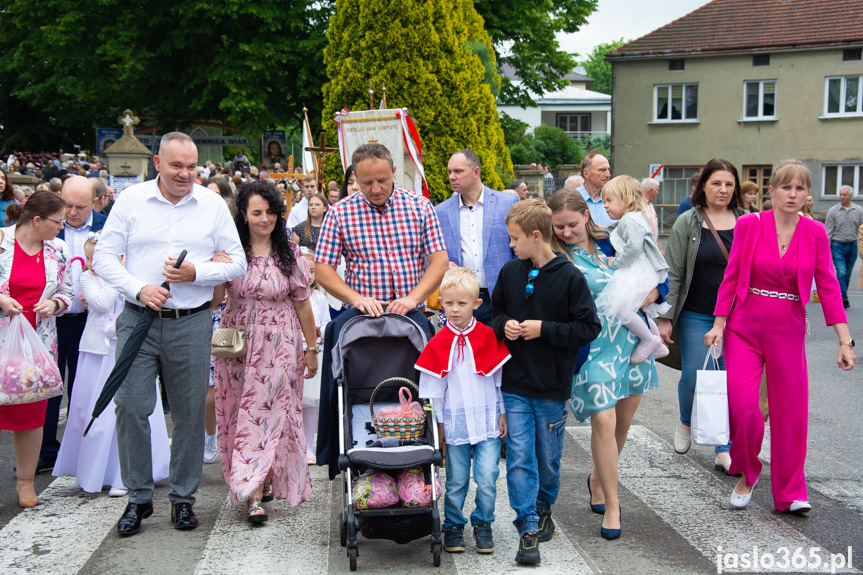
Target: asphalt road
{"x": 676, "y": 516}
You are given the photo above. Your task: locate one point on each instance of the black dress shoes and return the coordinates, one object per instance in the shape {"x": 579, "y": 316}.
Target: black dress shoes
{"x": 130, "y": 522}
{"x": 45, "y": 465}
{"x": 183, "y": 517}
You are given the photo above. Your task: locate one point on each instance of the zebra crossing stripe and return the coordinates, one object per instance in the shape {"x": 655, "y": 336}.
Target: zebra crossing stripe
{"x": 58, "y": 535}
{"x": 284, "y": 545}
{"x": 695, "y": 503}
{"x": 558, "y": 555}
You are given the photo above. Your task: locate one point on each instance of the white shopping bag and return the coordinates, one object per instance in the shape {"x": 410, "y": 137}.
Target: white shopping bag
{"x": 710, "y": 424}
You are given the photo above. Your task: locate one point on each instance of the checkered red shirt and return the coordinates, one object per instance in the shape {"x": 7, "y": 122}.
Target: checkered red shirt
{"x": 385, "y": 251}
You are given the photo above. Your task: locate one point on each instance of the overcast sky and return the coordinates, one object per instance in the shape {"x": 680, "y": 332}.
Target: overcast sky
{"x": 630, "y": 19}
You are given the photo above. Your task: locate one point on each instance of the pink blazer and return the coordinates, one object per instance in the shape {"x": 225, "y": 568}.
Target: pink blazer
{"x": 814, "y": 260}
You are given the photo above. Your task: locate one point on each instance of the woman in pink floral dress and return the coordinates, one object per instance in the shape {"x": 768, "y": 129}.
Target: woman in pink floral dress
{"x": 259, "y": 396}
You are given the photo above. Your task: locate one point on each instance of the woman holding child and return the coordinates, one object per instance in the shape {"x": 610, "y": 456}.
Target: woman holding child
{"x": 608, "y": 398}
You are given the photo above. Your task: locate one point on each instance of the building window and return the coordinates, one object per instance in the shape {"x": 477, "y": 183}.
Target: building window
{"x": 675, "y": 65}
{"x": 761, "y": 60}
{"x": 760, "y": 99}
{"x": 852, "y": 54}
{"x": 676, "y": 102}
{"x": 675, "y": 184}
{"x": 842, "y": 95}
{"x": 576, "y": 125}
{"x": 837, "y": 176}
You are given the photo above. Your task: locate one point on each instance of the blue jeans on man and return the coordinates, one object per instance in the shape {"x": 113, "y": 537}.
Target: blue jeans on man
{"x": 486, "y": 456}
{"x": 535, "y": 431}
{"x": 844, "y": 256}
{"x": 691, "y": 327}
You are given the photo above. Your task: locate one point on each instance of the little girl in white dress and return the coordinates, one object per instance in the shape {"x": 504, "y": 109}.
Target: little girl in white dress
{"x": 312, "y": 387}
{"x": 639, "y": 266}
{"x": 93, "y": 460}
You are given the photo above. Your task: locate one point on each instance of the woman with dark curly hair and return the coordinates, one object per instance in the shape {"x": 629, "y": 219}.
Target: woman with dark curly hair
{"x": 259, "y": 396}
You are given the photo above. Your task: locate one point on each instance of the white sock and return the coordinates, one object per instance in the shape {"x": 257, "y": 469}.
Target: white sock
{"x": 310, "y": 422}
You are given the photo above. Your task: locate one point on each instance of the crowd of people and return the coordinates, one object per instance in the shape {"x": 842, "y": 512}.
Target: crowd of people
{"x": 550, "y": 291}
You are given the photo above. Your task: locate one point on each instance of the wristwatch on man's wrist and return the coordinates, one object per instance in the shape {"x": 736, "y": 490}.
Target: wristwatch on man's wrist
{"x": 138, "y": 295}
{"x": 848, "y": 342}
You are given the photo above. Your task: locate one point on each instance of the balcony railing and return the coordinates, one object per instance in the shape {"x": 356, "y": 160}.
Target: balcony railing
{"x": 585, "y": 135}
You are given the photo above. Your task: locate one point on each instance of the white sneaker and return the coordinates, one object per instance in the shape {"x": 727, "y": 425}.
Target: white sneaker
{"x": 118, "y": 492}
{"x": 682, "y": 439}
{"x": 800, "y": 508}
{"x": 741, "y": 501}
{"x": 722, "y": 462}
{"x": 211, "y": 448}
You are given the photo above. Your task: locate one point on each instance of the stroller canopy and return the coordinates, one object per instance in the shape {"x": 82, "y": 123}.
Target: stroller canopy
{"x": 388, "y": 325}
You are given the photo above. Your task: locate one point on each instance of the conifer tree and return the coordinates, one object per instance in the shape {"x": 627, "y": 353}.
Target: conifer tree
{"x": 426, "y": 53}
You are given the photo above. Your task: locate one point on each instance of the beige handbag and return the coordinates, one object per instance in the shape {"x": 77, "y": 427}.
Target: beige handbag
{"x": 228, "y": 342}
{"x": 231, "y": 341}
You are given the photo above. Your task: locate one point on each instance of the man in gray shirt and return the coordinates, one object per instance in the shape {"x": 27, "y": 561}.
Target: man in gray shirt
{"x": 842, "y": 222}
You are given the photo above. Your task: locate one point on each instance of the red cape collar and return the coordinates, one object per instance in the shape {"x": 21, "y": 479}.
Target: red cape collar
{"x": 489, "y": 353}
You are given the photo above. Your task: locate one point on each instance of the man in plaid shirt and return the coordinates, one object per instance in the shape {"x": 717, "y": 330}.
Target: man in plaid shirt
{"x": 385, "y": 234}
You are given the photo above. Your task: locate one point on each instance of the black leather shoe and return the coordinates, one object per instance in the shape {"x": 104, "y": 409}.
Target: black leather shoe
{"x": 45, "y": 465}
{"x": 183, "y": 517}
{"x": 130, "y": 522}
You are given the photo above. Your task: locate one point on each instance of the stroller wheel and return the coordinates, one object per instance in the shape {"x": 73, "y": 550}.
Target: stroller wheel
{"x": 436, "y": 554}
{"x": 352, "y": 558}
{"x": 343, "y": 531}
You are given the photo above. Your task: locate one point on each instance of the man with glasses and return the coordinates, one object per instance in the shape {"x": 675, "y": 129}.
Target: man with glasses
{"x": 78, "y": 195}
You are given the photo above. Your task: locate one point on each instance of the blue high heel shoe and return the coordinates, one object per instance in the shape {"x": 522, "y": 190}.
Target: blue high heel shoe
{"x": 611, "y": 534}
{"x": 598, "y": 508}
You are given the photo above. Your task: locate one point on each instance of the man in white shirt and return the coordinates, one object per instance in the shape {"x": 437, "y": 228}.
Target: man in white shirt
{"x": 650, "y": 188}
{"x": 473, "y": 222}
{"x": 596, "y": 172}
{"x": 300, "y": 211}
{"x": 151, "y": 224}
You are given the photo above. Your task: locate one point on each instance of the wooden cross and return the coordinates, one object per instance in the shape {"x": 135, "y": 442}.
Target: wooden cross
{"x": 321, "y": 152}
{"x": 129, "y": 121}
{"x": 292, "y": 175}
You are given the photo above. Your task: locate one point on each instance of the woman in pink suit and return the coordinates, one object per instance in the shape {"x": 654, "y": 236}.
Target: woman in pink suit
{"x": 761, "y": 312}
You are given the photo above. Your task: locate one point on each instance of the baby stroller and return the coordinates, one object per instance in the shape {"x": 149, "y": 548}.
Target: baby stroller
{"x": 369, "y": 352}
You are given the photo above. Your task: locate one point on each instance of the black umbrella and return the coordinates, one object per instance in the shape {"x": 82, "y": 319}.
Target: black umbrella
{"x": 127, "y": 356}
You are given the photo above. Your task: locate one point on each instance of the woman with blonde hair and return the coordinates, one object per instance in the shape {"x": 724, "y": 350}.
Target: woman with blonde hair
{"x": 761, "y": 315}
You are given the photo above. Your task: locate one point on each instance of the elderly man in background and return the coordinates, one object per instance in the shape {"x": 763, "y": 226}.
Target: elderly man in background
{"x": 650, "y": 188}
{"x": 843, "y": 221}
{"x": 520, "y": 189}
{"x": 596, "y": 172}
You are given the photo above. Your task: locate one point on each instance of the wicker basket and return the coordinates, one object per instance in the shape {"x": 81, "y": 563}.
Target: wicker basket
{"x": 405, "y": 428}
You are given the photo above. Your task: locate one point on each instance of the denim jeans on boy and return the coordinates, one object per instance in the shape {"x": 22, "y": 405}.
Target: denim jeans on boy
{"x": 691, "y": 328}
{"x": 844, "y": 256}
{"x": 535, "y": 430}
{"x": 486, "y": 456}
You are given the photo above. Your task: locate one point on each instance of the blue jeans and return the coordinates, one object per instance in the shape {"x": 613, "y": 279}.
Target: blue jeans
{"x": 691, "y": 327}
{"x": 844, "y": 256}
{"x": 535, "y": 447}
{"x": 486, "y": 456}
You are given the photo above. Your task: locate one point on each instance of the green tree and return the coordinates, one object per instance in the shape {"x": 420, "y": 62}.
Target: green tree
{"x": 72, "y": 66}
{"x": 421, "y": 51}
{"x": 526, "y": 33}
{"x": 599, "y": 69}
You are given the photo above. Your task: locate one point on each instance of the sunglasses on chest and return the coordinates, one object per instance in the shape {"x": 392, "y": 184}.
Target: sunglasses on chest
{"x": 531, "y": 277}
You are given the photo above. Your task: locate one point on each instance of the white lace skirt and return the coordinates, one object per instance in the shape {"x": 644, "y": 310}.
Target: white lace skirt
{"x": 627, "y": 289}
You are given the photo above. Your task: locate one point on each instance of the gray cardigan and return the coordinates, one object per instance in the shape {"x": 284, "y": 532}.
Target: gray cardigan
{"x": 637, "y": 238}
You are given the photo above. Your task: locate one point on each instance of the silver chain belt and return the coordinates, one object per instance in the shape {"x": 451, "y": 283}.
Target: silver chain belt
{"x": 776, "y": 294}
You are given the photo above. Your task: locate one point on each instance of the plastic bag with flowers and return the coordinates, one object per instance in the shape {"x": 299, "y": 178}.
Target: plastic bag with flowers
{"x": 28, "y": 372}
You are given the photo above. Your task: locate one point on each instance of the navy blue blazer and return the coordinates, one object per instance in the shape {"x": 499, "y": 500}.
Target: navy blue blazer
{"x": 495, "y": 239}
{"x": 98, "y": 224}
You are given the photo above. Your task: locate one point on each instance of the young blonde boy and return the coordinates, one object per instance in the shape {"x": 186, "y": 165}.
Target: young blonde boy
{"x": 460, "y": 371}
{"x": 542, "y": 305}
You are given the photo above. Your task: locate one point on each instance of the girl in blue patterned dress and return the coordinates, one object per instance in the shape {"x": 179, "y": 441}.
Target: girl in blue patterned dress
{"x": 607, "y": 388}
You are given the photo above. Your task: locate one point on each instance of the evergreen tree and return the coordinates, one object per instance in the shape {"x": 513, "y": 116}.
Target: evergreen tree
{"x": 425, "y": 52}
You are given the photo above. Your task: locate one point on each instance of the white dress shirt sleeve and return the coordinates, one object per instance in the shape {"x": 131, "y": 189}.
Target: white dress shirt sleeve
{"x": 209, "y": 273}
{"x": 109, "y": 249}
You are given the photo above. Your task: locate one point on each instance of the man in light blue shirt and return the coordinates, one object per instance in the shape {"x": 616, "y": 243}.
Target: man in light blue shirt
{"x": 596, "y": 172}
